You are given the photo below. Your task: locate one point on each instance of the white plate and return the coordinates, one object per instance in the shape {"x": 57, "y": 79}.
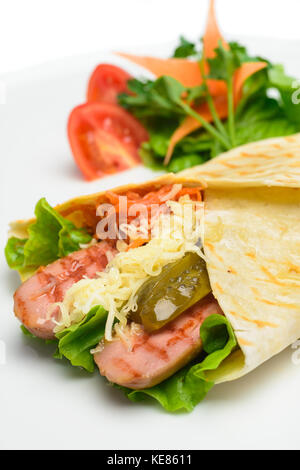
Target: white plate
{"x": 46, "y": 404}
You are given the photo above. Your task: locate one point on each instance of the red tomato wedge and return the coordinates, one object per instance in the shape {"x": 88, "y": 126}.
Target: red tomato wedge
{"x": 104, "y": 139}
{"x": 106, "y": 82}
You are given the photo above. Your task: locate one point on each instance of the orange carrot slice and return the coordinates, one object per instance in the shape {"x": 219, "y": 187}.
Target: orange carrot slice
{"x": 212, "y": 35}
{"x": 185, "y": 71}
{"x": 241, "y": 75}
{"x": 192, "y": 192}
{"x": 188, "y": 73}
{"x": 190, "y": 124}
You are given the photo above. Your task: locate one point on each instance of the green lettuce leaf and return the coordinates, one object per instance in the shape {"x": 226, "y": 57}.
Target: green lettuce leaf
{"x": 184, "y": 390}
{"x": 50, "y": 237}
{"x": 76, "y": 341}
{"x": 262, "y": 118}
{"x": 32, "y": 336}
{"x": 186, "y": 161}
{"x": 14, "y": 252}
{"x": 149, "y": 158}
{"x": 27, "y": 332}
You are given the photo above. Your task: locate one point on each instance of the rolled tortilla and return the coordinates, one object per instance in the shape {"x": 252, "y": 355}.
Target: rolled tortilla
{"x": 252, "y": 246}
{"x": 270, "y": 162}
{"x": 251, "y": 242}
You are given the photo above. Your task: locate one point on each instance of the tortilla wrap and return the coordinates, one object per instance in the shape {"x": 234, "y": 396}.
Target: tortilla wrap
{"x": 82, "y": 210}
{"x": 252, "y": 246}
{"x": 270, "y": 162}
{"x": 251, "y": 243}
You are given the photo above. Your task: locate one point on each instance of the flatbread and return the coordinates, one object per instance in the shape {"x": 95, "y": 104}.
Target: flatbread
{"x": 271, "y": 162}
{"x": 252, "y": 246}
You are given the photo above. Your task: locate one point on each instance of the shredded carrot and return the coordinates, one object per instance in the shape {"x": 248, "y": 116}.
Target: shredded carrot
{"x": 148, "y": 200}
{"x": 136, "y": 243}
{"x": 191, "y": 192}
{"x": 153, "y": 200}
{"x": 112, "y": 197}
{"x": 133, "y": 195}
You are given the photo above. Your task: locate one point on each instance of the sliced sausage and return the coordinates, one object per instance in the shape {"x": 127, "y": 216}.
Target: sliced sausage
{"x": 34, "y": 298}
{"x": 153, "y": 357}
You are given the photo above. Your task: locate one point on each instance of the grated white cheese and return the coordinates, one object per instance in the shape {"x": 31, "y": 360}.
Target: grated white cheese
{"x": 87, "y": 245}
{"x": 172, "y": 235}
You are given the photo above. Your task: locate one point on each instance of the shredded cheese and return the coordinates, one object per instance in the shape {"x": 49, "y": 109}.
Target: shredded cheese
{"x": 172, "y": 235}
{"x": 87, "y": 245}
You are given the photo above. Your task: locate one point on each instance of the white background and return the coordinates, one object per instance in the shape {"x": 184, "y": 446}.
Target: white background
{"x": 34, "y": 31}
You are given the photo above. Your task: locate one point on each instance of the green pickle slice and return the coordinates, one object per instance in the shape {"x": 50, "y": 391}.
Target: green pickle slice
{"x": 179, "y": 286}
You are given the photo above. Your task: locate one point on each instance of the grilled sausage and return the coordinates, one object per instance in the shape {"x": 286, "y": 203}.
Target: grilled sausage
{"x": 34, "y": 298}
{"x": 153, "y": 357}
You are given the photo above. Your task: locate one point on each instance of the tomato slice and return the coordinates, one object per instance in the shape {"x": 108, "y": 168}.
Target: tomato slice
{"x": 104, "y": 139}
{"x": 106, "y": 82}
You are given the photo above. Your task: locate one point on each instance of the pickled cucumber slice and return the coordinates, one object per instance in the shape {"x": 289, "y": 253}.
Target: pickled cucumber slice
{"x": 179, "y": 286}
